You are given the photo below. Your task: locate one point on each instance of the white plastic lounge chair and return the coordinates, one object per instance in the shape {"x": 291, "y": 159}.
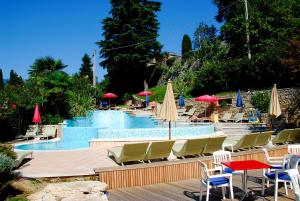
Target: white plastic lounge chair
{"x": 226, "y": 117}
{"x": 295, "y": 178}
{"x": 213, "y": 181}
{"x": 281, "y": 175}
{"x": 21, "y": 156}
{"x": 49, "y": 132}
{"x": 190, "y": 112}
{"x": 31, "y": 132}
{"x": 238, "y": 117}
{"x": 294, "y": 149}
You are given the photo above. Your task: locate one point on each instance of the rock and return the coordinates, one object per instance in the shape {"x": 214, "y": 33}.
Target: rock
{"x": 72, "y": 191}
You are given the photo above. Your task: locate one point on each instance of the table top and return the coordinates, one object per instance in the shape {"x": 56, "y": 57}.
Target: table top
{"x": 246, "y": 165}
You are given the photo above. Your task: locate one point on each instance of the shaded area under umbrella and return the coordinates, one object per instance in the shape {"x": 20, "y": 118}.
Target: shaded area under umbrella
{"x": 109, "y": 96}
{"x": 146, "y": 94}
{"x": 207, "y": 99}
{"x": 168, "y": 111}
{"x": 239, "y": 100}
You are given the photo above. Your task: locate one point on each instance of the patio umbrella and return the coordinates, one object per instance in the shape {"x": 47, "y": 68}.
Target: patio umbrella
{"x": 109, "y": 96}
{"x": 168, "y": 111}
{"x": 181, "y": 101}
{"x": 274, "y": 110}
{"x": 207, "y": 99}
{"x": 36, "y": 117}
{"x": 239, "y": 100}
{"x": 146, "y": 94}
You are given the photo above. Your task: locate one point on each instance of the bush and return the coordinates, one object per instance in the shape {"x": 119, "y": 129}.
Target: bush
{"x": 261, "y": 101}
{"x": 8, "y": 151}
{"x": 52, "y": 119}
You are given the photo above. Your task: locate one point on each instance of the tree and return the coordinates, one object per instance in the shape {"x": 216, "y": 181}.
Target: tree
{"x": 186, "y": 47}
{"x": 1, "y": 80}
{"x": 86, "y": 68}
{"x": 46, "y": 65}
{"x": 14, "y": 79}
{"x": 130, "y": 44}
{"x": 204, "y": 34}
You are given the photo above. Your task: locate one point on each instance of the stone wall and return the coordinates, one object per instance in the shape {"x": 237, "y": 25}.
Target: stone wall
{"x": 289, "y": 99}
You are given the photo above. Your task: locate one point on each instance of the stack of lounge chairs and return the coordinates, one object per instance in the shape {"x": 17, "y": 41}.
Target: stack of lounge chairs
{"x": 48, "y": 131}
{"x": 20, "y": 157}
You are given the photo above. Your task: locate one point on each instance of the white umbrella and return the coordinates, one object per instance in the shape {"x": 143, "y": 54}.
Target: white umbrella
{"x": 168, "y": 111}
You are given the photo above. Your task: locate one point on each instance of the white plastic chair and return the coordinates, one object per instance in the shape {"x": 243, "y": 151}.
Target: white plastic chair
{"x": 295, "y": 179}
{"x": 213, "y": 181}
{"x": 294, "y": 149}
{"x": 224, "y": 156}
{"x": 280, "y": 175}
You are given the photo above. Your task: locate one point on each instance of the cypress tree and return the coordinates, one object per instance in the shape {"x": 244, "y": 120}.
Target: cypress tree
{"x": 186, "y": 47}
{"x": 130, "y": 44}
{"x": 14, "y": 79}
{"x": 86, "y": 68}
{"x": 1, "y": 80}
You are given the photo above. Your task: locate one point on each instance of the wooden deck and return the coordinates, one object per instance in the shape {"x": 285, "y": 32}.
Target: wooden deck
{"x": 188, "y": 190}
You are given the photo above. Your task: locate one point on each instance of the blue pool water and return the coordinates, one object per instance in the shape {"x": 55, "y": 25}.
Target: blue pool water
{"x": 114, "y": 125}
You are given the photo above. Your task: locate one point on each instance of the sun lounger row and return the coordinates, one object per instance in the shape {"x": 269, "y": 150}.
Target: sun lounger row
{"x": 287, "y": 136}
{"x": 162, "y": 149}
{"x": 248, "y": 141}
{"x": 238, "y": 117}
{"x": 48, "y": 131}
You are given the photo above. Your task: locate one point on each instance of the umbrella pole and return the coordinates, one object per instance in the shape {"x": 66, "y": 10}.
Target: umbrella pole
{"x": 169, "y": 130}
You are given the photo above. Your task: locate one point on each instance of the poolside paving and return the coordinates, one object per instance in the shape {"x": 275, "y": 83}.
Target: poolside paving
{"x": 65, "y": 163}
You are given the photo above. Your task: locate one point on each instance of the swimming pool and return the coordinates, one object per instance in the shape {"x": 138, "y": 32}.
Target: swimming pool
{"x": 113, "y": 125}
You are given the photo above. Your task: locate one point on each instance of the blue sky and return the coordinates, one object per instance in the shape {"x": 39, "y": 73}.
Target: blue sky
{"x": 66, "y": 29}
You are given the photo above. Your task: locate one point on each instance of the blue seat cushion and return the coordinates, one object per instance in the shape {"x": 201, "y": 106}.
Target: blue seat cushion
{"x": 218, "y": 181}
{"x": 228, "y": 170}
{"x": 281, "y": 176}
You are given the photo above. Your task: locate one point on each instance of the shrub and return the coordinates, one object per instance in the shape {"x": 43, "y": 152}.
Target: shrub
{"x": 52, "y": 119}
{"x": 17, "y": 199}
{"x": 7, "y": 150}
{"x": 6, "y": 166}
{"x": 261, "y": 101}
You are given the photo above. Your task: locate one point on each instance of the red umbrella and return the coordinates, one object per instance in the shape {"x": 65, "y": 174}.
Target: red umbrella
{"x": 109, "y": 96}
{"x": 145, "y": 93}
{"x": 207, "y": 99}
{"x": 37, "y": 117}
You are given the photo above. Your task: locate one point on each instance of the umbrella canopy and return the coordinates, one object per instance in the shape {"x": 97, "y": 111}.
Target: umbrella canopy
{"x": 274, "y": 103}
{"x": 207, "y": 99}
{"x": 110, "y": 95}
{"x": 239, "y": 100}
{"x": 145, "y": 93}
{"x": 168, "y": 109}
{"x": 181, "y": 101}
{"x": 37, "y": 117}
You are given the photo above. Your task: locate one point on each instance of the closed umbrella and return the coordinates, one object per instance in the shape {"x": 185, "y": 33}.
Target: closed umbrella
{"x": 207, "y": 99}
{"x": 168, "y": 111}
{"x": 36, "y": 116}
{"x": 239, "y": 100}
{"x": 109, "y": 96}
{"x": 274, "y": 110}
{"x": 181, "y": 101}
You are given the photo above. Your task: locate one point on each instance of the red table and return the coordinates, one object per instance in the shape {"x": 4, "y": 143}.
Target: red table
{"x": 246, "y": 165}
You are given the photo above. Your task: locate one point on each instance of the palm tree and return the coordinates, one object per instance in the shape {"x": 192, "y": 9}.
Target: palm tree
{"x": 46, "y": 65}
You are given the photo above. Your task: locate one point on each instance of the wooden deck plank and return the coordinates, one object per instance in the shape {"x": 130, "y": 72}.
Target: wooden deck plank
{"x": 188, "y": 190}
